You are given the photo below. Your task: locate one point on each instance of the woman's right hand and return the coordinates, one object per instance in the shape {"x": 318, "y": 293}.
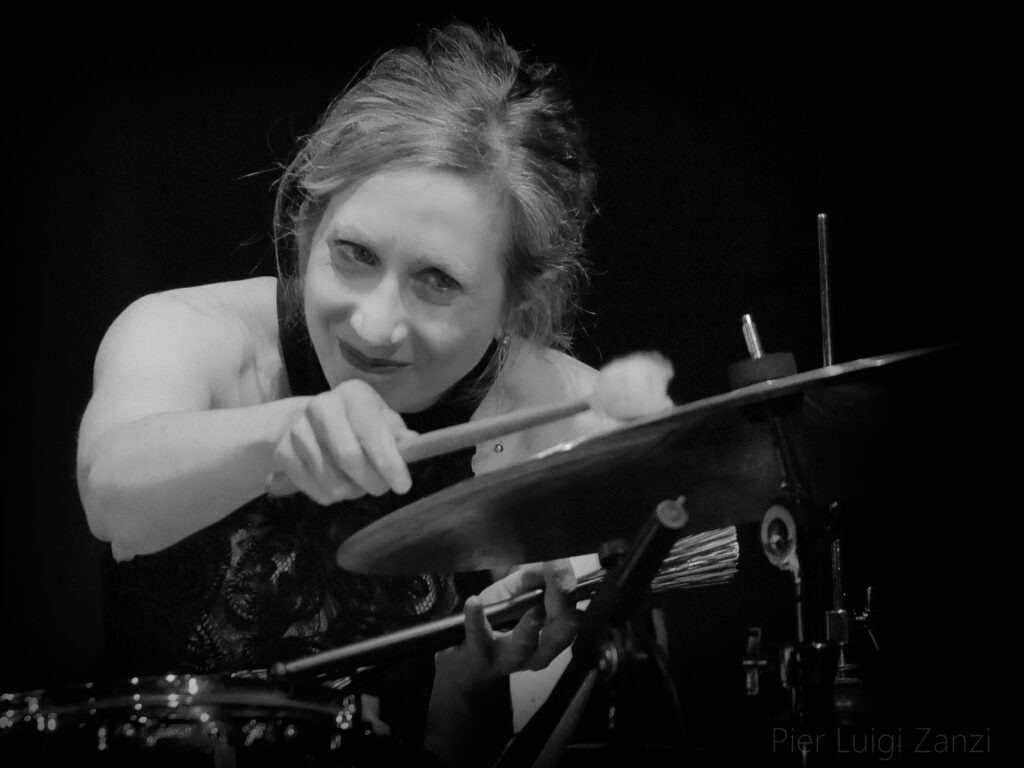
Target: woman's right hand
{"x": 343, "y": 445}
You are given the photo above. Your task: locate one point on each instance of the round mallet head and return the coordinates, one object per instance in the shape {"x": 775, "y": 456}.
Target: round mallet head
{"x": 633, "y": 386}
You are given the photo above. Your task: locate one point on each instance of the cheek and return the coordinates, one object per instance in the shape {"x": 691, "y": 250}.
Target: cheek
{"x": 313, "y": 307}
{"x": 325, "y": 299}
{"x": 458, "y": 342}
{"x": 323, "y": 311}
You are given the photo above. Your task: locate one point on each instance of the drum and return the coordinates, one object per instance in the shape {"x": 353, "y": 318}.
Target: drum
{"x": 190, "y": 720}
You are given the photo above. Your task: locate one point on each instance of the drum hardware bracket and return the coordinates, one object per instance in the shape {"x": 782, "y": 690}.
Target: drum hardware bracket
{"x": 778, "y": 540}
{"x": 753, "y": 662}
{"x": 850, "y": 698}
{"x": 619, "y": 652}
{"x": 609, "y": 553}
{"x": 761, "y": 367}
{"x": 864, "y": 620}
{"x": 808, "y": 670}
{"x": 608, "y": 660}
{"x": 837, "y": 630}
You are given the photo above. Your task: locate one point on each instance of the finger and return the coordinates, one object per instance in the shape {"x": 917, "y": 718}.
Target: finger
{"x": 288, "y": 463}
{"x": 279, "y": 484}
{"x": 559, "y": 585}
{"x": 333, "y": 483}
{"x": 368, "y": 420}
{"x": 303, "y": 444}
{"x": 515, "y": 583}
{"x": 479, "y": 635}
{"x": 330, "y": 423}
{"x": 517, "y": 648}
{"x": 555, "y": 637}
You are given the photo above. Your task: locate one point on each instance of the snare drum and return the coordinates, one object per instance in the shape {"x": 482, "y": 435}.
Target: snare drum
{"x": 189, "y": 720}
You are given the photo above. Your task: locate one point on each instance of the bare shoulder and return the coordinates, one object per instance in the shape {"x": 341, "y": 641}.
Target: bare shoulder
{"x": 538, "y": 376}
{"x": 541, "y": 375}
{"x": 211, "y": 346}
{"x": 232, "y": 303}
{"x": 233, "y": 326}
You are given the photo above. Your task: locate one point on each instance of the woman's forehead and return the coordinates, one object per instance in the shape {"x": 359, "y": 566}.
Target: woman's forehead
{"x": 429, "y": 215}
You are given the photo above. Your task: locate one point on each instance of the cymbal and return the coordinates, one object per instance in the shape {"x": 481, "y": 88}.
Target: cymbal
{"x": 852, "y": 429}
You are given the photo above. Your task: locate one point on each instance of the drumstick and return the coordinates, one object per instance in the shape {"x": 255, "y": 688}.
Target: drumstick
{"x": 627, "y": 388}
{"x": 431, "y": 636}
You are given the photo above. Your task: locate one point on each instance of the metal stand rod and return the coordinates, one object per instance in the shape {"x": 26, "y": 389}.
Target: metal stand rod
{"x": 837, "y": 619}
{"x": 826, "y": 290}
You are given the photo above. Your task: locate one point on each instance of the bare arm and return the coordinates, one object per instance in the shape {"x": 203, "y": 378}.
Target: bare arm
{"x": 157, "y": 458}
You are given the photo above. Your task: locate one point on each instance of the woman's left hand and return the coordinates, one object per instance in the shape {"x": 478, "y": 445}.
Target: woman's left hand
{"x": 540, "y": 635}
{"x": 468, "y": 720}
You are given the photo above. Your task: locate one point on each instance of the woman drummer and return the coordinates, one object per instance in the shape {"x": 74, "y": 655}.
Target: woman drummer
{"x": 429, "y": 237}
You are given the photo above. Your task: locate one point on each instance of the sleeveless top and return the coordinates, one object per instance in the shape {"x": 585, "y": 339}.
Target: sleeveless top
{"x": 262, "y": 585}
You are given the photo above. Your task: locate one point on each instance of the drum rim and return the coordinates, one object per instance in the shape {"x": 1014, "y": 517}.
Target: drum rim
{"x": 179, "y": 690}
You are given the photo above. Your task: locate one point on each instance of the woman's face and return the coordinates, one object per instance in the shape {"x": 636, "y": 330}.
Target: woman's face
{"x": 404, "y": 286}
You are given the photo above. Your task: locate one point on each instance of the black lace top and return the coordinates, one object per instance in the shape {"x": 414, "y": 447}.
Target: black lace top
{"x": 262, "y": 585}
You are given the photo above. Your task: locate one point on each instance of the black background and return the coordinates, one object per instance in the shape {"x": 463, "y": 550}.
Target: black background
{"x": 142, "y": 167}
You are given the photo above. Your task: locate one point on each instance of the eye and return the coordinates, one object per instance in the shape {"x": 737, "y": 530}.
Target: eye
{"x": 345, "y": 253}
{"x": 439, "y": 286}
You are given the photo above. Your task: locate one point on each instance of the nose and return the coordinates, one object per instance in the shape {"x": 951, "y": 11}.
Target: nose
{"x": 379, "y": 319}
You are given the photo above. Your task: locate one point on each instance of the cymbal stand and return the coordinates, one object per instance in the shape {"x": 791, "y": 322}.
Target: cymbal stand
{"x": 601, "y": 644}
{"x": 807, "y": 667}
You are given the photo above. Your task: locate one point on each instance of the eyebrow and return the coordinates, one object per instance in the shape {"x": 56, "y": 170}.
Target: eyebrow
{"x": 343, "y": 230}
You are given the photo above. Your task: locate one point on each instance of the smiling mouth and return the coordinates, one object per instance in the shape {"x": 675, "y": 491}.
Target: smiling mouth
{"x": 361, "y": 362}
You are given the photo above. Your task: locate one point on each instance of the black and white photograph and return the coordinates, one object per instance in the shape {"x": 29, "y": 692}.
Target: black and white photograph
{"x": 504, "y": 390}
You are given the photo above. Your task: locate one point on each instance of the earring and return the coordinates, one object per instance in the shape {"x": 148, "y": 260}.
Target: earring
{"x": 502, "y": 354}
